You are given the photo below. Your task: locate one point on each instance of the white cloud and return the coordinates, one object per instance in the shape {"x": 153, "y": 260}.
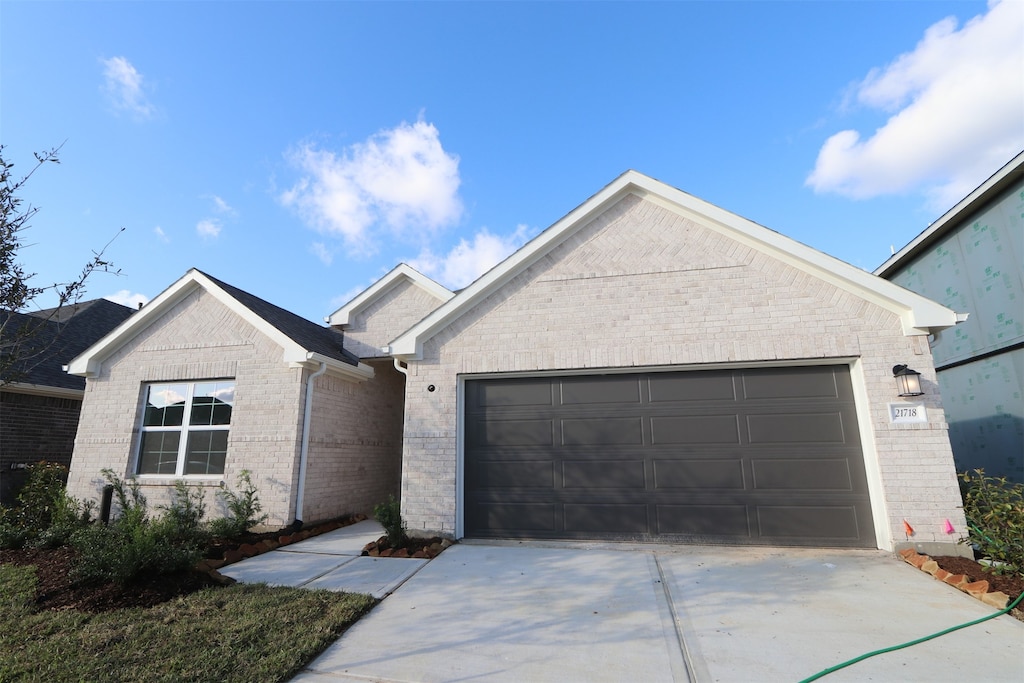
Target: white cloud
{"x": 124, "y": 84}
{"x": 208, "y": 228}
{"x": 469, "y": 260}
{"x": 322, "y": 252}
{"x": 221, "y": 206}
{"x": 399, "y": 182}
{"x": 127, "y": 298}
{"x": 957, "y": 114}
{"x": 161, "y": 235}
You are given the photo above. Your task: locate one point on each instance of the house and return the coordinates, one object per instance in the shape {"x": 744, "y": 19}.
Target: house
{"x": 208, "y": 380}
{"x": 39, "y": 406}
{"x": 649, "y": 367}
{"x": 972, "y": 259}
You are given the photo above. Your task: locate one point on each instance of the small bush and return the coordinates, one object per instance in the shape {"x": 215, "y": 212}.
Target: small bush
{"x": 389, "y": 514}
{"x": 133, "y": 544}
{"x": 45, "y": 515}
{"x": 184, "y": 516}
{"x": 244, "y": 508}
{"x": 994, "y": 508}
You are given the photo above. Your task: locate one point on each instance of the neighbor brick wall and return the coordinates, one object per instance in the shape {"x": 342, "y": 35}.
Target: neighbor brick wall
{"x": 355, "y": 450}
{"x": 398, "y": 309}
{"x": 198, "y": 339}
{"x": 33, "y": 428}
{"x": 642, "y": 286}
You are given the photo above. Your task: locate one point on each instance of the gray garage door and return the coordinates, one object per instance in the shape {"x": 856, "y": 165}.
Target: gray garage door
{"x": 756, "y": 456}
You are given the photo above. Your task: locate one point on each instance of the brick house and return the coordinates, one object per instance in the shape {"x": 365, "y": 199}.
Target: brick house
{"x": 40, "y": 405}
{"x": 649, "y": 367}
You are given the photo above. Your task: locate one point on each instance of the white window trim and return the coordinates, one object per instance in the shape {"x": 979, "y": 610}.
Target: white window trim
{"x": 185, "y": 429}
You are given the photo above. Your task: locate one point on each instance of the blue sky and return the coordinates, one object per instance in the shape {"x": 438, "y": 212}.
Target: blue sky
{"x": 300, "y": 150}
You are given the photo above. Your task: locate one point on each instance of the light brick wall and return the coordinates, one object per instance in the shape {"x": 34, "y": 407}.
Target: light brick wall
{"x": 355, "y": 450}
{"x": 198, "y": 339}
{"x": 398, "y": 309}
{"x": 641, "y": 286}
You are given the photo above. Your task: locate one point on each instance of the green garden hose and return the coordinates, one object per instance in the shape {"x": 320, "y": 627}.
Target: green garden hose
{"x": 837, "y": 667}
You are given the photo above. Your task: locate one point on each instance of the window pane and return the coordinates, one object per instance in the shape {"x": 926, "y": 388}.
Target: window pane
{"x": 159, "y": 453}
{"x": 165, "y": 405}
{"x": 206, "y": 451}
{"x": 212, "y": 403}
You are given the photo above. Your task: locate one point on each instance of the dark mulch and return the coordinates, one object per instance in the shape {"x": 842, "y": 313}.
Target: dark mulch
{"x": 55, "y": 589}
{"x": 1010, "y": 584}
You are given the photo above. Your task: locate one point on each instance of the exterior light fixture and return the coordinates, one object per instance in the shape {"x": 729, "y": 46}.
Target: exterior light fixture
{"x": 908, "y": 382}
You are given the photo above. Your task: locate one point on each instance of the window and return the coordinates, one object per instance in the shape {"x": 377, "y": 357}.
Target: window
{"x": 185, "y": 428}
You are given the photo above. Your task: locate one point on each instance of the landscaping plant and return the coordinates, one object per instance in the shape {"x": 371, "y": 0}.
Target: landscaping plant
{"x": 244, "y": 508}
{"x": 45, "y": 516}
{"x": 389, "y": 514}
{"x": 133, "y": 544}
{"x": 994, "y": 508}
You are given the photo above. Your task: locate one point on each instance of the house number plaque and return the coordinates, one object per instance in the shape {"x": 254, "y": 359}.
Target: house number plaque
{"x": 901, "y": 413}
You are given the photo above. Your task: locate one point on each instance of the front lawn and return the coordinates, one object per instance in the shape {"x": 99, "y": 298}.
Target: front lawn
{"x": 239, "y": 633}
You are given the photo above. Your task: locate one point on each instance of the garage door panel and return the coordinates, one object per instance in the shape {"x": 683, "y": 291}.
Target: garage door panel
{"x": 510, "y": 433}
{"x": 525, "y": 517}
{"x": 534, "y": 392}
{"x": 704, "y": 385}
{"x": 597, "y": 518}
{"x": 802, "y": 474}
{"x": 721, "y": 456}
{"x": 796, "y": 428}
{"x": 603, "y": 432}
{"x": 605, "y": 389}
{"x": 703, "y": 429}
{"x": 603, "y": 474}
{"x": 703, "y": 520}
{"x": 772, "y": 383}
{"x": 809, "y": 522}
{"x": 513, "y": 474}
{"x": 698, "y": 474}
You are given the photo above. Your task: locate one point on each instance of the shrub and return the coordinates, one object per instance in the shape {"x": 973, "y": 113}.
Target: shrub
{"x": 994, "y": 508}
{"x": 243, "y": 507}
{"x": 184, "y": 516}
{"x": 45, "y": 516}
{"x": 389, "y": 514}
{"x": 133, "y": 544}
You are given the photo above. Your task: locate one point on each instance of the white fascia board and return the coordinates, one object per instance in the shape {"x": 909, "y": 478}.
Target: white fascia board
{"x": 89, "y": 363}
{"x": 308, "y": 359}
{"x": 42, "y": 390}
{"x": 409, "y": 346}
{"x": 918, "y": 314}
{"x": 401, "y": 272}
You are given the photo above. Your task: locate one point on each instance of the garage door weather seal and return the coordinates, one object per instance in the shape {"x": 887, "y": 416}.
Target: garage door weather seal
{"x": 837, "y": 667}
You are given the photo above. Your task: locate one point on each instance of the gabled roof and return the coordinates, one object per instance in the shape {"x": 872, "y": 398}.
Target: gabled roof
{"x": 399, "y": 274}
{"x": 918, "y": 314}
{"x": 1000, "y": 181}
{"x": 60, "y": 334}
{"x": 303, "y": 342}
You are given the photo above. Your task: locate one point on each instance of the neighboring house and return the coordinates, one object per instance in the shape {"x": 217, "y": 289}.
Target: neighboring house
{"x": 207, "y": 380}
{"x": 650, "y": 367}
{"x": 39, "y": 407}
{"x": 972, "y": 259}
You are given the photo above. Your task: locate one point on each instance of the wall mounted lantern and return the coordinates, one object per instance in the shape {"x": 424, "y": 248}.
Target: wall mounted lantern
{"x": 908, "y": 382}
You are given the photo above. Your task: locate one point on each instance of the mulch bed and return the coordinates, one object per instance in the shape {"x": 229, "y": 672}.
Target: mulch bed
{"x": 1010, "y": 584}
{"x": 55, "y": 589}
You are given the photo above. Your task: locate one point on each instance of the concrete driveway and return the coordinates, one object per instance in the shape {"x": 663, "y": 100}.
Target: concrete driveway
{"x": 599, "y": 612}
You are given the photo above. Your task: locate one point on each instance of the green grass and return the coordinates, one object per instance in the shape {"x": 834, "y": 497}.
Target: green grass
{"x": 239, "y": 633}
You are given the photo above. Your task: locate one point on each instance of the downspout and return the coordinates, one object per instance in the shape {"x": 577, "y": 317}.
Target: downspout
{"x": 304, "y": 448}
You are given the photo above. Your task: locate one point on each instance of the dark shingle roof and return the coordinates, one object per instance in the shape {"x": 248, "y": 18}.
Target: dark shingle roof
{"x": 309, "y": 335}
{"x": 63, "y": 334}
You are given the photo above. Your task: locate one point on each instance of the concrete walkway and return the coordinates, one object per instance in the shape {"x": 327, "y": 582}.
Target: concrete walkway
{"x": 592, "y": 612}
{"x": 331, "y": 561}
